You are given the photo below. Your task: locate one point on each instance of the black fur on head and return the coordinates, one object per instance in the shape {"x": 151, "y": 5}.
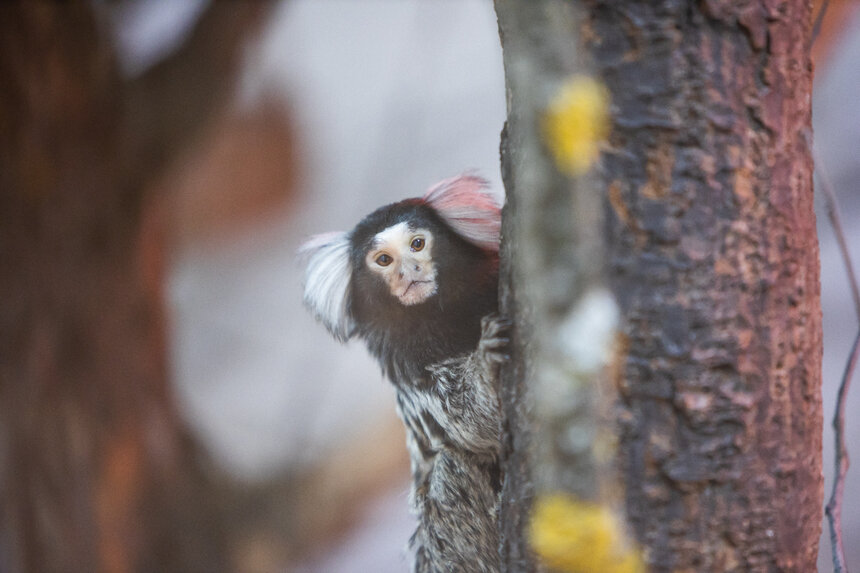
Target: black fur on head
{"x": 351, "y": 300}
{"x": 406, "y": 339}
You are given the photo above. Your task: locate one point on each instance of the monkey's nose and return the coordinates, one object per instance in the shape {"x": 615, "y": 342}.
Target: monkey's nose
{"x": 409, "y": 269}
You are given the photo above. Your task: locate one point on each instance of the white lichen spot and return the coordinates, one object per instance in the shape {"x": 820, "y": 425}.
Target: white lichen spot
{"x": 587, "y": 334}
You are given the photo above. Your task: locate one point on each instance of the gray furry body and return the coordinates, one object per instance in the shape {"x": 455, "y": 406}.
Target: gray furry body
{"x": 452, "y": 424}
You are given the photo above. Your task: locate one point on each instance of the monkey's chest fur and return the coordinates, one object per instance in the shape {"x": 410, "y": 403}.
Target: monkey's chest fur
{"x": 452, "y": 437}
{"x": 450, "y": 408}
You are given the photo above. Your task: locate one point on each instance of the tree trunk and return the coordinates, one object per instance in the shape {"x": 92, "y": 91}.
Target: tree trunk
{"x": 96, "y": 472}
{"x": 552, "y": 240}
{"x": 713, "y": 260}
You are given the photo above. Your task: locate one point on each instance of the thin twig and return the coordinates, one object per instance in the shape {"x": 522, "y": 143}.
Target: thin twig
{"x": 836, "y": 221}
{"x": 816, "y": 28}
{"x": 834, "y": 506}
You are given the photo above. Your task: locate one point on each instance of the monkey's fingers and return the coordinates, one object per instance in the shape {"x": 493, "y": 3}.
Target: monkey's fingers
{"x": 495, "y": 324}
{"x": 495, "y": 338}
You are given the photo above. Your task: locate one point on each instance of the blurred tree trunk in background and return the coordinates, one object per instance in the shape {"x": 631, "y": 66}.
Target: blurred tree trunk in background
{"x": 551, "y": 256}
{"x": 96, "y": 471}
{"x": 712, "y": 256}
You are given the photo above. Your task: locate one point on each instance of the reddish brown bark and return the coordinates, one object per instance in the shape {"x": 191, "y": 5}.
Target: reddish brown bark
{"x": 95, "y": 472}
{"x": 715, "y": 264}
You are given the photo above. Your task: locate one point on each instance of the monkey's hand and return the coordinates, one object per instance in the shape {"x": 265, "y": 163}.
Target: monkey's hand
{"x": 493, "y": 349}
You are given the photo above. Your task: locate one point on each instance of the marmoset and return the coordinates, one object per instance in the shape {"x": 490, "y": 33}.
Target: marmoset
{"x": 417, "y": 280}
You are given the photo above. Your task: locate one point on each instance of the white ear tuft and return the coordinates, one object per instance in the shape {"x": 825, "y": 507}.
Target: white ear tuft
{"x": 466, "y": 205}
{"x": 327, "y": 278}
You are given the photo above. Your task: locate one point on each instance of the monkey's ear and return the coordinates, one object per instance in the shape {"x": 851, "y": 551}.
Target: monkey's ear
{"x": 327, "y": 277}
{"x": 465, "y": 203}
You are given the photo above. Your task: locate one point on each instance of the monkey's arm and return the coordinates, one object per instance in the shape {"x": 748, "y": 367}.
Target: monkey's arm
{"x": 460, "y": 405}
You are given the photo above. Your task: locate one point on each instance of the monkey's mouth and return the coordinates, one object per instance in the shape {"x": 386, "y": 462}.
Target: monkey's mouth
{"x": 413, "y": 283}
{"x": 417, "y": 291}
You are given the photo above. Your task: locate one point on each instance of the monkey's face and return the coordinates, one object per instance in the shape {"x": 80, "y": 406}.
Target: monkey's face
{"x": 408, "y": 263}
{"x": 402, "y": 257}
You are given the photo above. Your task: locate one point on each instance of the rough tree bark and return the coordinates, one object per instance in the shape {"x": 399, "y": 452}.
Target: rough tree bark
{"x": 715, "y": 264}
{"x": 713, "y": 259}
{"x": 95, "y": 472}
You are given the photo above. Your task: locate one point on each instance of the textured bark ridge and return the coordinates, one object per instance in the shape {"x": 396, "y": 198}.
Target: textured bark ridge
{"x": 517, "y": 490}
{"x": 714, "y": 261}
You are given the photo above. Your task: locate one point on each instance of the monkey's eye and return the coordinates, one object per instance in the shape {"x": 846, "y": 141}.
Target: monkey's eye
{"x": 417, "y": 244}
{"x": 384, "y": 260}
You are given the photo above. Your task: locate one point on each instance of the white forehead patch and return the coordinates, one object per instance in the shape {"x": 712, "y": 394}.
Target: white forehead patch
{"x": 395, "y": 235}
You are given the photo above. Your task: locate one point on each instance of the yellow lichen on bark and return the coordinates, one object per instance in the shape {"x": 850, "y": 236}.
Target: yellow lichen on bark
{"x": 575, "y": 123}
{"x": 574, "y": 536}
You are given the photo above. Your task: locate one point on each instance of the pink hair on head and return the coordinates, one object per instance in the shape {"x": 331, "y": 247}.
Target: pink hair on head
{"x": 466, "y": 205}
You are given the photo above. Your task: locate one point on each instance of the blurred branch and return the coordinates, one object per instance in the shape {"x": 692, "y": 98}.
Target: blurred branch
{"x": 168, "y": 106}
{"x": 98, "y": 472}
{"x": 834, "y": 505}
{"x": 836, "y": 221}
